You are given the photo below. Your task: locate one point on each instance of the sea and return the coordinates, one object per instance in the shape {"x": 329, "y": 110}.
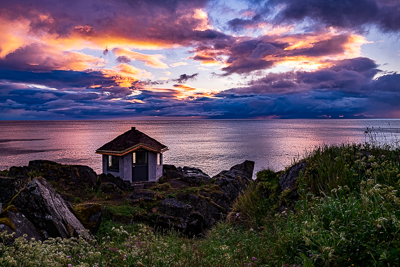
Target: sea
{"x": 211, "y": 145}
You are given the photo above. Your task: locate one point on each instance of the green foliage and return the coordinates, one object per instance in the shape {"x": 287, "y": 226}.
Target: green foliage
{"x": 259, "y": 201}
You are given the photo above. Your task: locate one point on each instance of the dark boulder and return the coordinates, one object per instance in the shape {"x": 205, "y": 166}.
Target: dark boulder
{"x": 173, "y": 207}
{"x": 109, "y": 178}
{"x": 171, "y": 172}
{"x": 46, "y": 209}
{"x": 194, "y": 176}
{"x": 110, "y": 189}
{"x": 65, "y": 175}
{"x": 165, "y": 223}
{"x": 9, "y": 187}
{"x": 233, "y": 182}
{"x": 289, "y": 178}
{"x": 90, "y": 215}
{"x": 14, "y": 221}
{"x": 20, "y": 172}
{"x": 239, "y": 171}
{"x": 187, "y": 174}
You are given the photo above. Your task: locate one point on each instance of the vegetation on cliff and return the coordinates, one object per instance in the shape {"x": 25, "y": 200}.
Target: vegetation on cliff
{"x": 342, "y": 209}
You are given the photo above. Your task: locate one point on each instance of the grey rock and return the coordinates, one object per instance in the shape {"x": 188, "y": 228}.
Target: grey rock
{"x": 23, "y": 226}
{"x": 289, "y": 178}
{"x": 46, "y": 209}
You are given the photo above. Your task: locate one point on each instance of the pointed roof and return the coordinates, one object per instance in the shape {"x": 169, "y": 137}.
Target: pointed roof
{"x": 130, "y": 141}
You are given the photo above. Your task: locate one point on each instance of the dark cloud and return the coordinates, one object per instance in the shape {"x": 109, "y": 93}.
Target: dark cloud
{"x": 350, "y": 75}
{"x": 354, "y": 14}
{"x": 123, "y": 59}
{"x": 158, "y": 22}
{"x": 238, "y": 24}
{"x": 185, "y": 77}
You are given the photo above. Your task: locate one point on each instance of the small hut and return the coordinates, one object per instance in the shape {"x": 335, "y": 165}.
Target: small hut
{"x": 133, "y": 156}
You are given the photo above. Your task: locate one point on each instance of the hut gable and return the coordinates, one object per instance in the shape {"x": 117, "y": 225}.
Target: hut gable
{"x": 130, "y": 141}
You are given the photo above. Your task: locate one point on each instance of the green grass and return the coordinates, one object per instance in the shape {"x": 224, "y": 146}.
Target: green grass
{"x": 347, "y": 214}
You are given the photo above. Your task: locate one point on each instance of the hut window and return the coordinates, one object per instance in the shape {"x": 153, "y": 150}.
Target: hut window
{"x": 158, "y": 159}
{"x": 112, "y": 163}
{"x": 139, "y": 158}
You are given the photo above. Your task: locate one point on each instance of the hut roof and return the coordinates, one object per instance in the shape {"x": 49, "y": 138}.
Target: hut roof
{"x": 130, "y": 141}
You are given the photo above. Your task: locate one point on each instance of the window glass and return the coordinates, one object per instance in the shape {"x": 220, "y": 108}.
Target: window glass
{"x": 139, "y": 158}
{"x": 112, "y": 163}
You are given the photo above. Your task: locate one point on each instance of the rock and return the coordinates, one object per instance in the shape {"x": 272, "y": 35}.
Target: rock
{"x": 46, "y": 209}
{"x": 165, "y": 223}
{"x": 90, "y": 215}
{"x": 173, "y": 207}
{"x": 190, "y": 213}
{"x": 243, "y": 170}
{"x": 194, "y": 176}
{"x": 289, "y": 178}
{"x": 110, "y": 188}
{"x": 234, "y": 181}
{"x": 194, "y": 224}
{"x": 171, "y": 172}
{"x": 23, "y": 226}
{"x": 187, "y": 174}
{"x": 65, "y": 175}
{"x": 9, "y": 187}
{"x": 120, "y": 183}
{"x": 18, "y": 172}
{"x": 210, "y": 213}
{"x": 141, "y": 195}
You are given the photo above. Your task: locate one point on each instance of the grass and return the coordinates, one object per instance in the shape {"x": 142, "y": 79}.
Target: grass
{"x": 347, "y": 213}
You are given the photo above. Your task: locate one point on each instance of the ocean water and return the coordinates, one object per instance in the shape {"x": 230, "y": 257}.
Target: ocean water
{"x": 211, "y": 145}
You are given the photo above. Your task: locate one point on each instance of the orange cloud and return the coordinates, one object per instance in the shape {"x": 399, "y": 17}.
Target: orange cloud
{"x": 128, "y": 70}
{"x": 149, "y": 60}
{"x": 14, "y": 34}
{"x": 184, "y": 87}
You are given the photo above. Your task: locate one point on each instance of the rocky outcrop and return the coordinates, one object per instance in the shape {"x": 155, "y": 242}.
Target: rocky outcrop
{"x": 193, "y": 176}
{"x": 192, "y": 213}
{"x": 66, "y": 176}
{"x": 9, "y": 187}
{"x": 46, "y": 209}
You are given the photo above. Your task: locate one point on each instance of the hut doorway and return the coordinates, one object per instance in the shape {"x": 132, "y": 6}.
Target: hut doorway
{"x": 140, "y": 166}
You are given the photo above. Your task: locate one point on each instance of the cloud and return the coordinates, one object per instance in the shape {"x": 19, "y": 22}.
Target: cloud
{"x": 112, "y": 23}
{"x": 40, "y": 57}
{"x": 178, "y": 64}
{"x": 185, "y": 77}
{"x": 354, "y": 14}
{"x": 125, "y": 56}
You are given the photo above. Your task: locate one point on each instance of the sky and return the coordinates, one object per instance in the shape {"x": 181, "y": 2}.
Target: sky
{"x": 199, "y": 59}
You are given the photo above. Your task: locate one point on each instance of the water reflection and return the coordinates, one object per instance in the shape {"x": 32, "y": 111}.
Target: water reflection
{"x": 209, "y": 145}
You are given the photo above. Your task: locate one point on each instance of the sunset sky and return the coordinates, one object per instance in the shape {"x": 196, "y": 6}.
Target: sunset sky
{"x": 171, "y": 59}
